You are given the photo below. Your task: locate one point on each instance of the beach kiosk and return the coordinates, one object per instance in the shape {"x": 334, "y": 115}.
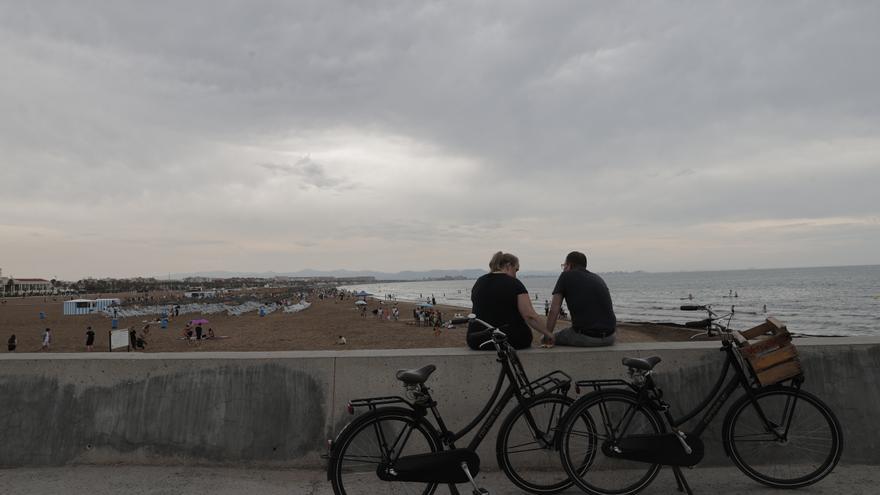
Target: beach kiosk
{"x": 88, "y": 306}
{"x": 79, "y": 307}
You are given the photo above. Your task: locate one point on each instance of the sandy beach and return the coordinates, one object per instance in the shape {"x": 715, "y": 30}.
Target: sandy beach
{"x": 316, "y": 328}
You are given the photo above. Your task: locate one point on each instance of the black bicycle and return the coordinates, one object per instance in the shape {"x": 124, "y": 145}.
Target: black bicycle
{"x": 616, "y": 438}
{"x": 394, "y": 448}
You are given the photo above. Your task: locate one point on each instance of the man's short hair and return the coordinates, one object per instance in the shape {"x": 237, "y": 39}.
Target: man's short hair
{"x": 576, "y": 259}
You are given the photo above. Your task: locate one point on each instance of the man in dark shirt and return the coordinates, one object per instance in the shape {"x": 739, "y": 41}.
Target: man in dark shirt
{"x": 592, "y": 314}
{"x": 90, "y": 338}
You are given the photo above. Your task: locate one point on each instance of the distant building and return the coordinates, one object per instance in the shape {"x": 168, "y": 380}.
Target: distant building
{"x": 11, "y": 286}
{"x": 200, "y": 294}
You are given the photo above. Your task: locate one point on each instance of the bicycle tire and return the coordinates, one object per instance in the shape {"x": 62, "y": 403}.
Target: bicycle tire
{"x": 588, "y": 421}
{"x": 539, "y": 468}
{"x": 810, "y": 451}
{"x": 357, "y": 451}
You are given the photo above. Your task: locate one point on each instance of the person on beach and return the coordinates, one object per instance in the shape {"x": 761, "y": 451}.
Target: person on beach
{"x": 592, "y": 315}
{"x": 90, "y": 339}
{"x": 47, "y": 340}
{"x": 500, "y": 299}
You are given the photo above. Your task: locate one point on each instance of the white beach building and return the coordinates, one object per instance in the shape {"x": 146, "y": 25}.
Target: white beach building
{"x": 79, "y": 307}
{"x": 11, "y": 286}
{"x": 88, "y": 306}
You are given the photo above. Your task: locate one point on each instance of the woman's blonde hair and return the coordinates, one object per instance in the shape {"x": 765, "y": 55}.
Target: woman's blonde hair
{"x": 500, "y": 260}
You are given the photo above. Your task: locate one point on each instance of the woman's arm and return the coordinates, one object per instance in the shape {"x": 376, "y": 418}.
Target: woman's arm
{"x": 524, "y": 304}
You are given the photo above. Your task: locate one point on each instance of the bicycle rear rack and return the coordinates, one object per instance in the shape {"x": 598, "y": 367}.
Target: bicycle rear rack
{"x": 373, "y": 402}
{"x": 547, "y": 384}
{"x": 597, "y": 385}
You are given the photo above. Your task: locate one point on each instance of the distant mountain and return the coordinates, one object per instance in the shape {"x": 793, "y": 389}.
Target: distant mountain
{"x": 404, "y": 275}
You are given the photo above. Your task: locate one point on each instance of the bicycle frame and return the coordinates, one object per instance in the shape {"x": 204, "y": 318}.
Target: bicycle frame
{"x": 511, "y": 371}
{"x": 711, "y": 404}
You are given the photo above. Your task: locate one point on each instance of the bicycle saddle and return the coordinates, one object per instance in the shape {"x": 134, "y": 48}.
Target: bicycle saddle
{"x": 646, "y": 364}
{"x": 416, "y": 376}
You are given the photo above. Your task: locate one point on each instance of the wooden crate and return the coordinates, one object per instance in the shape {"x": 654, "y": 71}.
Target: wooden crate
{"x": 769, "y": 351}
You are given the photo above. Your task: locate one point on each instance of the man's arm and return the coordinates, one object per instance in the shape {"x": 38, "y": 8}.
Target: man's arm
{"x": 555, "y": 306}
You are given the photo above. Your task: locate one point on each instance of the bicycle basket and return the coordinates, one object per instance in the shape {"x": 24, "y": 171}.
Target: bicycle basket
{"x": 773, "y": 358}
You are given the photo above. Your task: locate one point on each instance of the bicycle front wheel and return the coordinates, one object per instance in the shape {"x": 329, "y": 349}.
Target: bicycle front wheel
{"x": 526, "y": 446}
{"x": 380, "y": 436}
{"x": 593, "y": 425}
{"x": 799, "y": 444}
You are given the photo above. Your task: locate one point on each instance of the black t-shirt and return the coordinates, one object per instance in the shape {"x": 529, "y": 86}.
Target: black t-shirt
{"x": 588, "y": 299}
{"x": 494, "y": 298}
{"x": 90, "y": 337}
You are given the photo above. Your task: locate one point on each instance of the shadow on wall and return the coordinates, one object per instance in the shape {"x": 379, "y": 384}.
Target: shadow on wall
{"x": 223, "y": 414}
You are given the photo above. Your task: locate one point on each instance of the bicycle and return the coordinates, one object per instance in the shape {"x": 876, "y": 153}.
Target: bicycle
{"x": 712, "y": 321}
{"x": 393, "y": 442}
{"x": 616, "y": 438}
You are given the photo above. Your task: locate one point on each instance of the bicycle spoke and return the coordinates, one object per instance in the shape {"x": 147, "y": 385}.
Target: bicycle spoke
{"x": 525, "y": 446}
{"x": 801, "y": 447}
{"x": 525, "y": 450}
{"x": 388, "y": 436}
{"x": 607, "y": 417}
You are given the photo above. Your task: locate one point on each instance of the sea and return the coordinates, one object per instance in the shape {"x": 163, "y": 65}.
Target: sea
{"x": 823, "y": 301}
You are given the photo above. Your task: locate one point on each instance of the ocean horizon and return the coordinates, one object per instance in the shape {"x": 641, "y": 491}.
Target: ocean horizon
{"x": 833, "y": 301}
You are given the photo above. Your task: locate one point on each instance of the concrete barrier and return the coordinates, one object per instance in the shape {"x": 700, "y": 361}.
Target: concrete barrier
{"x": 278, "y": 409}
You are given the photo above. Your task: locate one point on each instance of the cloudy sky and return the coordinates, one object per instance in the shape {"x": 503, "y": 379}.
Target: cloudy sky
{"x": 142, "y": 138}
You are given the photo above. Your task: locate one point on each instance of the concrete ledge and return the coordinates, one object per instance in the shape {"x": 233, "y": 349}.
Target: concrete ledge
{"x": 279, "y": 408}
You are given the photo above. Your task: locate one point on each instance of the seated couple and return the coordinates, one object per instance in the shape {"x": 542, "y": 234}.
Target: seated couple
{"x": 501, "y": 299}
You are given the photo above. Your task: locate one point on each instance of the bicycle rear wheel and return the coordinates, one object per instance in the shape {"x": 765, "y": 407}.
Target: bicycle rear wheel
{"x": 379, "y": 436}
{"x": 801, "y": 444}
{"x": 527, "y": 449}
{"x": 594, "y": 423}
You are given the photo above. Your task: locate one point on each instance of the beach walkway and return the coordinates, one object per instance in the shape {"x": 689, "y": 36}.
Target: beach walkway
{"x": 143, "y": 480}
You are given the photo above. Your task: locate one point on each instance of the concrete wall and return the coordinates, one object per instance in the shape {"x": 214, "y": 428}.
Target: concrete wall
{"x": 278, "y": 409}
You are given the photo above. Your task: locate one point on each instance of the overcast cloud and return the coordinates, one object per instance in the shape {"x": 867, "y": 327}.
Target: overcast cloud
{"x": 141, "y": 138}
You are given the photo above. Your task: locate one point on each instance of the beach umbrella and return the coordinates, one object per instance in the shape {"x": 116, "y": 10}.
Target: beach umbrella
{"x": 360, "y": 303}
{"x": 201, "y": 321}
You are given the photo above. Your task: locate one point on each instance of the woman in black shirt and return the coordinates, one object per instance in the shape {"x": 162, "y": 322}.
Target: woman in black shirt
{"x": 500, "y": 299}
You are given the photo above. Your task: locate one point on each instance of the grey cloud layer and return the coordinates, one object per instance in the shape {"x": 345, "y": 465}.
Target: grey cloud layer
{"x": 580, "y": 122}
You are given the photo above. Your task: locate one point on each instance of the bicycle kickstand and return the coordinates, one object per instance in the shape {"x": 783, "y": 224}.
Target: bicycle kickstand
{"x": 682, "y": 483}
{"x": 477, "y": 489}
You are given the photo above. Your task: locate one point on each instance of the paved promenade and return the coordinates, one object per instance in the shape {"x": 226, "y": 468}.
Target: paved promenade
{"x": 139, "y": 480}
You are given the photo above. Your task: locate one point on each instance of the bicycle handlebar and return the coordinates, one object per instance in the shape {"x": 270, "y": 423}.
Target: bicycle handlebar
{"x": 492, "y": 333}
